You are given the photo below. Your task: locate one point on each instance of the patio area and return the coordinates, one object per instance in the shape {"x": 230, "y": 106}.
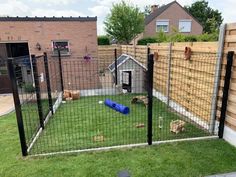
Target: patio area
{"x": 6, "y": 104}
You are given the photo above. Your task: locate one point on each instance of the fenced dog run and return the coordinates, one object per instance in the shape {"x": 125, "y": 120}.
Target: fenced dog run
{"x": 72, "y": 105}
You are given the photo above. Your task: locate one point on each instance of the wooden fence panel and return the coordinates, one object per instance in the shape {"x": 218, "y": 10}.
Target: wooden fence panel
{"x": 229, "y": 45}
{"x": 106, "y": 55}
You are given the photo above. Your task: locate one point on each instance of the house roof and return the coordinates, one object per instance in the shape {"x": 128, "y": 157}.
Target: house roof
{"x": 161, "y": 9}
{"x": 48, "y": 18}
{"x": 157, "y": 12}
{"x": 121, "y": 60}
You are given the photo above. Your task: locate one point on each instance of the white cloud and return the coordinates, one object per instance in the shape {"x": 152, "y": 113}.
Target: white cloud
{"x": 56, "y": 13}
{"x": 18, "y": 8}
{"x": 227, "y": 7}
{"x": 99, "y": 10}
{"x": 55, "y": 2}
{"x": 14, "y": 8}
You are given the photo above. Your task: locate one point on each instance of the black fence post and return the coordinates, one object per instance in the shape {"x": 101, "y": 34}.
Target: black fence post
{"x": 60, "y": 67}
{"x": 37, "y": 90}
{"x": 230, "y": 57}
{"x": 116, "y": 82}
{"x": 19, "y": 118}
{"x": 148, "y": 53}
{"x": 149, "y": 89}
{"x": 45, "y": 58}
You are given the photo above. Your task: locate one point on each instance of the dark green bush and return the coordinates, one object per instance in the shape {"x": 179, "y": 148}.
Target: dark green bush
{"x": 28, "y": 88}
{"x": 147, "y": 40}
{"x": 208, "y": 37}
{"x": 161, "y": 37}
{"x": 191, "y": 38}
{"x": 178, "y": 37}
{"x": 103, "y": 40}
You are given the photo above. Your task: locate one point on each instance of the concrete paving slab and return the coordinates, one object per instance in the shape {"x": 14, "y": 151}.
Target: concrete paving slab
{"x": 6, "y": 104}
{"x": 233, "y": 174}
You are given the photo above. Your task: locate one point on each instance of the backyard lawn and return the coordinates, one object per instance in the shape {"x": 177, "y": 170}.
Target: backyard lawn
{"x": 184, "y": 159}
{"x": 77, "y": 123}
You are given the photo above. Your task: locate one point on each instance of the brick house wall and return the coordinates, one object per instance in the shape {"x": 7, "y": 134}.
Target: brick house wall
{"x": 81, "y": 32}
{"x": 174, "y": 13}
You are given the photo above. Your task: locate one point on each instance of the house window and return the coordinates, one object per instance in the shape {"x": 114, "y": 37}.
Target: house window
{"x": 63, "y": 46}
{"x": 3, "y": 70}
{"x": 162, "y": 25}
{"x": 185, "y": 26}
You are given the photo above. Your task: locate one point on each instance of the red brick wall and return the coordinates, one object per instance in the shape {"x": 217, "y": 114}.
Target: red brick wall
{"x": 82, "y": 37}
{"x": 174, "y": 13}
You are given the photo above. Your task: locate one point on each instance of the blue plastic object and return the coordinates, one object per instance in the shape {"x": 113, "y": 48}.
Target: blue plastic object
{"x": 118, "y": 107}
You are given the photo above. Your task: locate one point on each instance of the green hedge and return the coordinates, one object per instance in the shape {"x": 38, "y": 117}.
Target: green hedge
{"x": 178, "y": 37}
{"x": 103, "y": 40}
{"x": 147, "y": 40}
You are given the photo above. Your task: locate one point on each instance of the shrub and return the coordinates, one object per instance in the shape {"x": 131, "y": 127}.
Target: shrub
{"x": 161, "y": 37}
{"x": 178, "y": 37}
{"x": 103, "y": 40}
{"x": 191, "y": 38}
{"x": 28, "y": 88}
{"x": 147, "y": 40}
{"x": 208, "y": 37}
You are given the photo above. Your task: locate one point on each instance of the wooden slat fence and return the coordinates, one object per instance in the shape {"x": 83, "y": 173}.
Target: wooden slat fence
{"x": 229, "y": 45}
{"x": 106, "y": 55}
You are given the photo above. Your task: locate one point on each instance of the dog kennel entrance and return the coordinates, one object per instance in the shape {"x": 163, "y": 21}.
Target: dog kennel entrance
{"x": 126, "y": 80}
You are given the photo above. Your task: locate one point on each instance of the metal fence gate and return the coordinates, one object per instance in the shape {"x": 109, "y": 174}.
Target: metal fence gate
{"x": 74, "y": 105}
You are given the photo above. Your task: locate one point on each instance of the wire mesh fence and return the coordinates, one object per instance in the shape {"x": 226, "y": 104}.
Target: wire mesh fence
{"x": 124, "y": 103}
{"x": 186, "y": 92}
{"x": 23, "y": 79}
{"x": 96, "y": 112}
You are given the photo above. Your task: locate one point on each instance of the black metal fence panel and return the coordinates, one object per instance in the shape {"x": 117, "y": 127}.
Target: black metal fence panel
{"x": 71, "y": 104}
{"x": 95, "y": 112}
{"x": 21, "y": 75}
{"x": 184, "y": 91}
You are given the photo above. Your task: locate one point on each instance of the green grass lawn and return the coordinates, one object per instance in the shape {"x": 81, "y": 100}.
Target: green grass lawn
{"x": 184, "y": 159}
{"x": 76, "y": 123}
{"x": 31, "y": 117}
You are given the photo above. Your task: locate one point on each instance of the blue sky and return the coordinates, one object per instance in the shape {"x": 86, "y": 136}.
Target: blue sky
{"x": 99, "y": 8}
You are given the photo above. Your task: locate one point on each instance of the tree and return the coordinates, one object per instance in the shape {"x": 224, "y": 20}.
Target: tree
{"x": 147, "y": 10}
{"x": 124, "y": 22}
{"x": 210, "y": 19}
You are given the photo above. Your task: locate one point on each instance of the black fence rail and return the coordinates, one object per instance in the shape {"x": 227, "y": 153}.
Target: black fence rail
{"x": 69, "y": 105}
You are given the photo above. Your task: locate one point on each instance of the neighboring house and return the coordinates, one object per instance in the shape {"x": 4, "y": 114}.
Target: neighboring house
{"x": 23, "y": 36}
{"x": 170, "y": 16}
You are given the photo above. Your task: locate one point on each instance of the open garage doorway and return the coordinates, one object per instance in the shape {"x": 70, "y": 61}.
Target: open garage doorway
{"x": 8, "y": 50}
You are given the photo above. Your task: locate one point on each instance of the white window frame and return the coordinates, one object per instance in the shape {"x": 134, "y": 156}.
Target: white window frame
{"x": 185, "y": 30}
{"x": 53, "y": 51}
{"x": 162, "y": 21}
